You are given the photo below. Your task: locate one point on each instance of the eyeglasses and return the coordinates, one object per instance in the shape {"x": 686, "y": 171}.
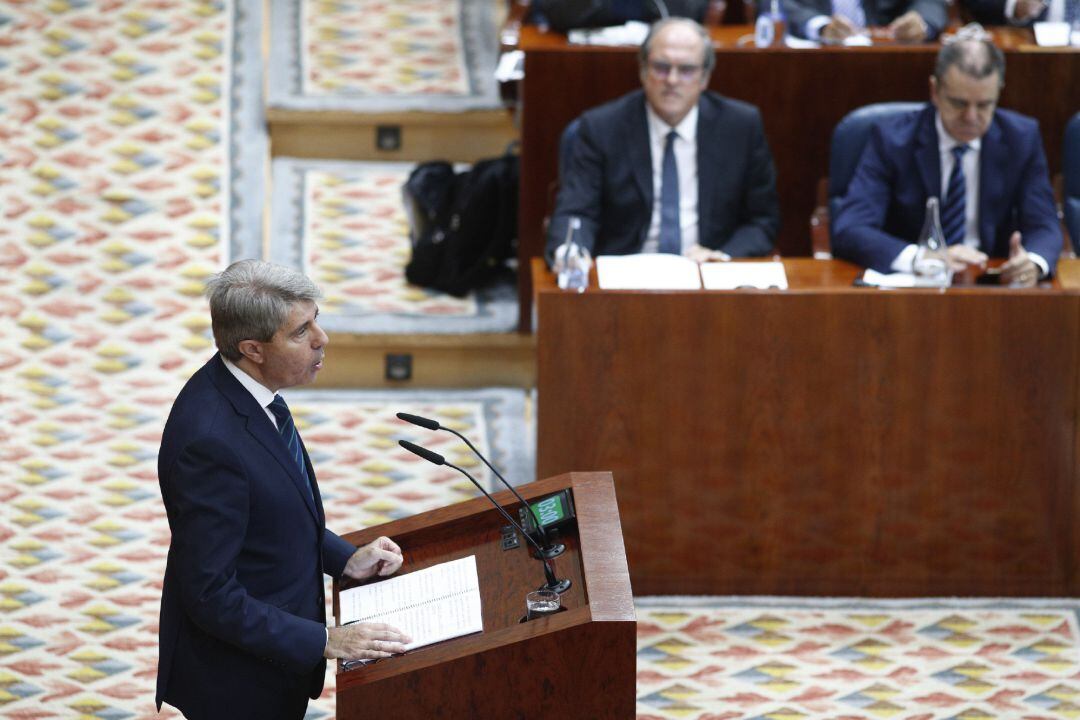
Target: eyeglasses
{"x": 662, "y": 70}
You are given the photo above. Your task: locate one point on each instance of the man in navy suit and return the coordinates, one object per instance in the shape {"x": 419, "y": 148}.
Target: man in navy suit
{"x": 243, "y": 627}
{"x": 992, "y": 159}
{"x": 721, "y": 187}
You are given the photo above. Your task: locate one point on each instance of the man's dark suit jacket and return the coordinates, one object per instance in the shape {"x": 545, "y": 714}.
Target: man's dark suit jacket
{"x": 878, "y": 13}
{"x": 900, "y": 168}
{"x": 242, "y": 608}
{"x": 609, "y": 181}
{"x": 992, "y": 12}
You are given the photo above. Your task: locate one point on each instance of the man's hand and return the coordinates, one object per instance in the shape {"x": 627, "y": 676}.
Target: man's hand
{"x": 700, "y": 254}
{"x": 838, "y": 29}
{"x": 381, "y": 556}
{"x": 1019, "y": 270}
{"x": 364, "y": 641}
{"x": 561, "y": 252}
{"x": 1025, "y": 10}
{"x": 909, "y": 27}
{"x": 961, "y": 257}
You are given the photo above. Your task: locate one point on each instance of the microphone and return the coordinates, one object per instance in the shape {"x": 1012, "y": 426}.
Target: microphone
{"x": 553, "y": 583}
{"x": 550, "y": 549}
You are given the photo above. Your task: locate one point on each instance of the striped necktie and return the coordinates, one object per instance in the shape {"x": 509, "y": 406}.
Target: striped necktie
{"x": 287, "y": 429}
{"x": 670, "y": 230}
{"x": 954, "y": 209}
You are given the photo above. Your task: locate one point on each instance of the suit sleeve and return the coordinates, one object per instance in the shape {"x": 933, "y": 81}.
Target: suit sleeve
{"x": 934, "y": 13}
{"x": 857, "y": 233}
{"x": 1037, "y": 213}
{"x": 988, "y": 12}
{"x": 580, "y": 193}
{"x": 209, "y": 494}
{"x": 759, "y": 215}
{"x": 799, "y": 12}
{"x": 336, "y": 553}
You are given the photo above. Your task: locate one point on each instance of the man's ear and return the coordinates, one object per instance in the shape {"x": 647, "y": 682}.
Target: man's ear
{"x": 252, "y": 350}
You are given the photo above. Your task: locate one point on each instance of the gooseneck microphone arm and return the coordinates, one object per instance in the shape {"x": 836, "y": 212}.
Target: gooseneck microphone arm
{"x": 553, "y": 583}
{"x": 549, "y": 549}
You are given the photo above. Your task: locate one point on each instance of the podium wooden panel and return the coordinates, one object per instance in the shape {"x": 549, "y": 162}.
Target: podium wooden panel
{"x": 824, "y": 440}
{"x": 577, "y": 663}
{"x": 802, "y": 94}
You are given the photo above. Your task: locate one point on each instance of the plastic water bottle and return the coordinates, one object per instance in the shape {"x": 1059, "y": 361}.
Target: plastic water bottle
{"x": 575, "y": 268}
{"x": 931, "y": 261}
{"x": 770, "y": 26}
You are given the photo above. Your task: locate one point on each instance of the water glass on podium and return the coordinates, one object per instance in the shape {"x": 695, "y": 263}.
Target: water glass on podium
{"x": 539, "y": 603}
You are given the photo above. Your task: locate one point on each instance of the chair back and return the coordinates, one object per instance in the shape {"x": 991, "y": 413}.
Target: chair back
{"x": 848, "y": 140}
{"x": 1070, "y": 169}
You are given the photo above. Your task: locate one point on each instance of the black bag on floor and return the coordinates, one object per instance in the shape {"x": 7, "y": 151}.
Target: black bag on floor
{"x": 463, "y": 225}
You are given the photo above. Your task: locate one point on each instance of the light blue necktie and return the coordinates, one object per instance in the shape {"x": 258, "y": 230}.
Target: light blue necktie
{"x": 670, "y": 231}
{"x": 953, "y": 210}
{"x": 287, "y": 430}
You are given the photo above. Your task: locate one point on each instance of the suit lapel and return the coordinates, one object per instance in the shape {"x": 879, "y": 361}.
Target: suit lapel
{"x": 993, "y": 158}
{"x": 638, "y": 150}
{"x": 262, "y": 429}
{"x": 927, "y": 156}
{"x": 708, "y": 167}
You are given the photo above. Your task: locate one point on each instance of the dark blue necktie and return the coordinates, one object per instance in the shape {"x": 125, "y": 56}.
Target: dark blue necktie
{"x": 287, "y": 429}
{"x": 670, "y": 232}
{"x": 953, "y": 210}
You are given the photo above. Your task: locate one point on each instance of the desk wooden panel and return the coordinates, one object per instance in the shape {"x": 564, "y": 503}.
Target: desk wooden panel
{"x": 824, "y": 441}
{"x": 802, "y": 94}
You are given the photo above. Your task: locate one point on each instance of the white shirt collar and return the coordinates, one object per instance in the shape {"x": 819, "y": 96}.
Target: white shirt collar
{"x": 947, "y": 142}
{"x": 262, "y": 394}
{"x": 686, "y": 129}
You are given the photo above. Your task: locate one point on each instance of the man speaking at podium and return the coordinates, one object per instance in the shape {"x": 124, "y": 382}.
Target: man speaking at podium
{"x": 243, "y": 624}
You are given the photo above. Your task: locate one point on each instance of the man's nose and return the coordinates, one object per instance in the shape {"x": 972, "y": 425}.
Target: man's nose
{"x": 319, "y": 337}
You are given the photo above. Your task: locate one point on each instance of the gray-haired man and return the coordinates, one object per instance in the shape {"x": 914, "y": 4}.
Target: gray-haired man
{"x": 243, "y": 623}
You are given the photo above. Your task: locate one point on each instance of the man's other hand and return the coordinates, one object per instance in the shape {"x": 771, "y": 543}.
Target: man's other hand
{"x": 381, "y": 556}
{"x": 838, "y": 29}
{"x": 364, "y": 641}
{"x": 962, "y": 257}
{"x": 909, "y": 27}
{"x": 700, "y": 254}
{"x": 1019, "y": 270}
{"x": 1025, "y": 10}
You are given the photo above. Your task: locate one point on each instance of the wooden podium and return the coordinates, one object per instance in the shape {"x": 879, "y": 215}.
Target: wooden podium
{"x": 577, "y": 663}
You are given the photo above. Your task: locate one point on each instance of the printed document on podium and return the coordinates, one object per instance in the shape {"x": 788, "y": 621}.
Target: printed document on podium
{"x": 429, "y": 605}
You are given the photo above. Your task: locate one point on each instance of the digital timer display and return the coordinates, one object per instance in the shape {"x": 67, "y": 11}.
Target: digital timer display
{"x": 552, "y": 511}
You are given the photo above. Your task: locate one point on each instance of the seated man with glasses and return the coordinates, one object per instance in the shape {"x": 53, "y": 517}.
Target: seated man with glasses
{"x": 670, "y": 168}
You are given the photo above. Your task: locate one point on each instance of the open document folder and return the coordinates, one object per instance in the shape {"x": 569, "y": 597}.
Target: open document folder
{"x": 664, "y": 271}
{"x": 429, "y": 605}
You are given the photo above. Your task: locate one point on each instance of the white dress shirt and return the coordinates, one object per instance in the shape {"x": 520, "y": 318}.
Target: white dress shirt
{"x": 685, "y": 148}
{"x": 262, "y": 394}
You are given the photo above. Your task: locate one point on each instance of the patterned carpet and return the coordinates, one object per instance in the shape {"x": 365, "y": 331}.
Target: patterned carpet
{"x": 129, "y": 173}
{"x": 375, "y": 56}
{"x": 344, "y": 222}
{"x": 790, "y": 659}
{"x": 129, "y": 148}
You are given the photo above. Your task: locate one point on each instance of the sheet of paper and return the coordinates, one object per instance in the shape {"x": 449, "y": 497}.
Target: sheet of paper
{"x": 897, "y": 280}
{"x": 732, "y": 275}
{"x": 1051, "y": 34}
{"x": 647, "y": 271}
{"x": 429, "y": 605}
{"x": 631, "y": 33}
